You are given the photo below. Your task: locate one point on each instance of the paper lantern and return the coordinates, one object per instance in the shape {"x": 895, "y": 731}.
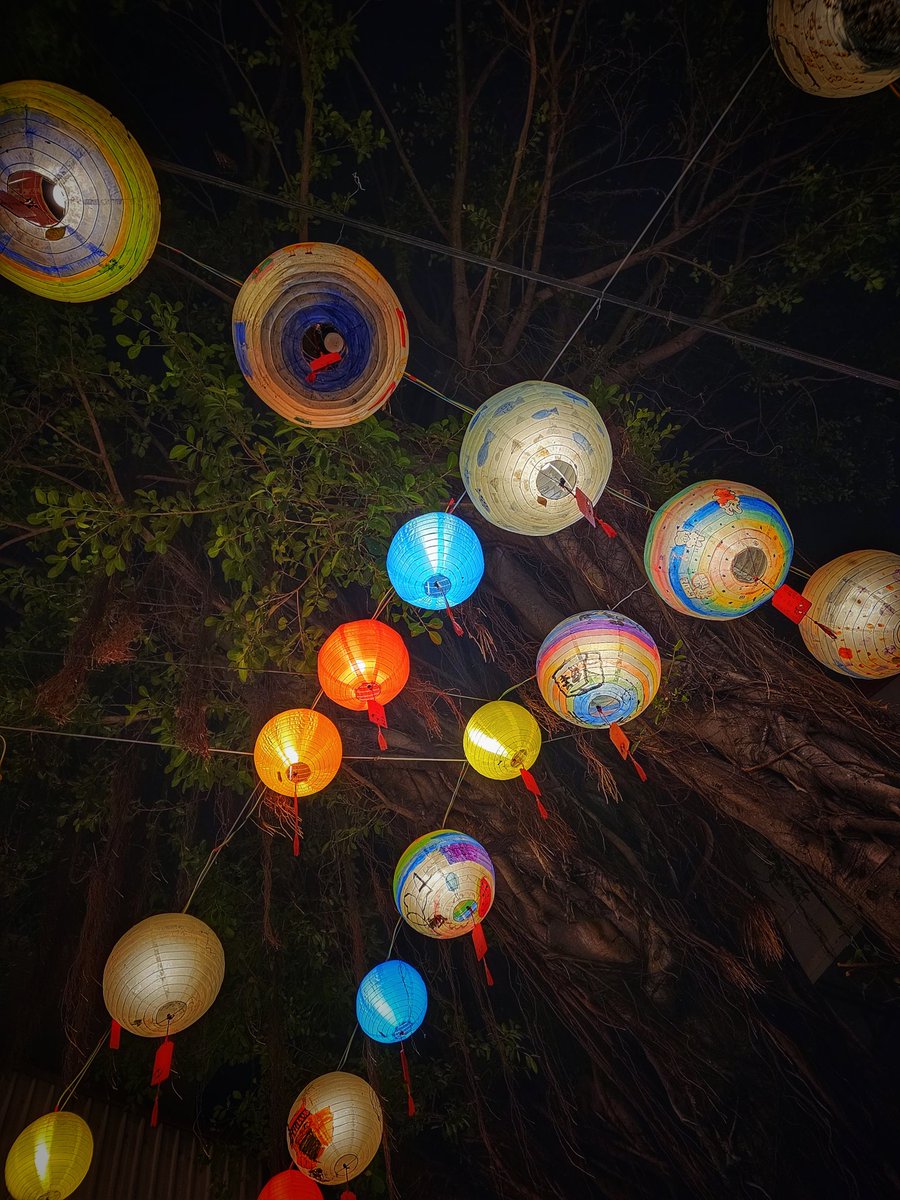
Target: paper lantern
{"x": 501, "y": 739}
{"x": 163, "y": 974}
{"x": 435, "y": 561}
{"x": 291, "y": 1185}
{"x": 391, "y": 1002}
{"x": 857, "y": 598}
{"x": 334, "y": 1127}
{"x": 298, "y": 752}
{"x": 836, "y": 48}
{"x": 718, "y": 550}
{"x": 526, "y": 452}
{"x": 79, "y": 206}
{"x": 320, "y": 335}
{"x": 444, "y": 884}
{"x": 49, "y": 1158}
{"x": 598, "y": 669}
{"x": 364, "y": 665}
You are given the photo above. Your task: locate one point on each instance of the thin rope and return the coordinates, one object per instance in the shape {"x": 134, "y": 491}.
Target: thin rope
{"x": 69, "y": 1091}
{"x": 163, "y": 662}
{"x": 250, "y": 806}
{"x": 659, "y": 210}
{"x": 454, "y": 794}
{"x": 206, "y": 267}
{"x": 521, "y": 683}
{"x": 426, "y": 387}
{"x": 552, "y": 281}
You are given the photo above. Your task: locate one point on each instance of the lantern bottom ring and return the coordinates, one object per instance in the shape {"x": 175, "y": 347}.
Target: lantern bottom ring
{"x": 556, "y": 479}
{"x": 347, "y": 1164}
{"x": 368, "y": 691}
{"x": 298, "y": 773}
{"x": 167, "y": 1013}
{"x": 437, "y": 585}
{"x": 750, "y": 564}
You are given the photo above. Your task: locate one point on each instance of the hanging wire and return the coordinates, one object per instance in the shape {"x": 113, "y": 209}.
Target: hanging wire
{"x": 426, "y": 387}
{"x": 250, "y": 807}
{"x": 595, "y": 307}
{"x": 198, "y": 263}
{"x": 565, "y": 285}
{"x": 521, "y": 683}
{"x": 69, "y": 1091}
{"x": 454, "y": 794}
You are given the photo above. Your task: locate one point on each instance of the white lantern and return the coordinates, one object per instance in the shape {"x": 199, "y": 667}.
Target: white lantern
{"x": 49, "y": 1158}
{"x": 334, "y": 1127}
{"x": 856, "y": 597}
{"x": 525, "y": 453}
{"x": 163, "y": 974}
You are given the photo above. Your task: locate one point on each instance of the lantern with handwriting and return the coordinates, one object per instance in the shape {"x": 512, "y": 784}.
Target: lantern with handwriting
{"x": 854, "y": 621}
{"x": 49, "y": 1158}
{"x": 334, "y": 1127}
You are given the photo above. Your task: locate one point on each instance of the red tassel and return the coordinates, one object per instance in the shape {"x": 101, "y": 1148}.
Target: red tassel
{"x": 377, "y": 717}
{"x": 542, "y": 812}
{"x": 162, "y": 1063}
{"x": 531, "y": 783}
{"x": 607, "y": 529}
{"x": 585, "y": 507}
{"x": 479, "y": 940}
{"x": 382, "y": 741}
{"x": 296, "y": 825}
{"x": 639, "y": 770}
{"x": 789, "y": 601}
{"x": 487, "y": 974}
{"x": 457, "y": 628}
{"x": 154, "y": 1116}
{"x": 829, "y": 632}
{"x": 115, "y": 1035}
{"x": 348, "y": 1195}
{"x": 410, "y": 1103}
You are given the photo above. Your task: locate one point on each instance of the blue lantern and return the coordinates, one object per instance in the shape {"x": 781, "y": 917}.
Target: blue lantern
{"x": 435, "y": 561}
{"x": 391, "y": 1001}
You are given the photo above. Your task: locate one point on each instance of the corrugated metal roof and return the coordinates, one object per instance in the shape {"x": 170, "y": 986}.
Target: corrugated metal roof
{"x": 131, "y": 1160}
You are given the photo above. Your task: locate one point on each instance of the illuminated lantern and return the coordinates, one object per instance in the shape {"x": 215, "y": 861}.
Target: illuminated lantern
{"x": 444, "y": 887}
{"x": 49, "y": 1158}
{"x": 319, "y": 335}
{"x": 291, "y": 1185}
{"x": 434, "y": 561}
{"x": 362, "y": 666}
{"x": 857, "y": 598}
{"x": 598, "y": 669}
{"x": 391, "y": 1003}
{"x": 79, "y": 207}
{"x": 334, "y": 1127}
{"x": 529, "y": 452}
{"x": 501, "y": 741}
{"x": 718, "y": 550}
{"x": 836, "y": 48}
{"x": 161, "y": 977}
{"x": 297, "y": 754}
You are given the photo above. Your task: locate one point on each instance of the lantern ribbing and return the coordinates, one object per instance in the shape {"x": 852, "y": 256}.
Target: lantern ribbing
{"x": 501, "y": 739}
{"x": 857, "y": 598}
{"x": 334, "y": 1127}
{"x": 298, "y": 752}
{"x": 391, "y": 1002}
{"x": 444, "y": 884}
{"x": 49, "y": 1158}
{"x": 435, "y": 560}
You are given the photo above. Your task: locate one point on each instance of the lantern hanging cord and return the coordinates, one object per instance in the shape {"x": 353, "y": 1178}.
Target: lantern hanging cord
{"x": 198, "y": 263}
{"x": 252, "y": 803}
{"x": 453, "y": 796}
{"x": 426, "y": 387}
{"x": 521, "y": 683}
{"x": 595, "y": 307}
{"x": 69, "y": 1091}
{"x": 551, "y": 281}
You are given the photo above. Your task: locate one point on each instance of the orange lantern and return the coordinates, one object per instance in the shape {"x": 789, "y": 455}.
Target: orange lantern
{"x": 297, "y": 753}
{"x": 363, "y": 665}
{"x": 291, "y": 1185}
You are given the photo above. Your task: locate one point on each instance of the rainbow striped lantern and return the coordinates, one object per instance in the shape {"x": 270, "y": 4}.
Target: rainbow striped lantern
{"x": 334, "y": 1128}
{"x": 718, "y": 550}
{"x": 433, "y": 560}
{"x": 598, "y": 670}
{"x": 391, "y": 1003}
{"x": 501, "y": 741}
{"x": 320, "y": 335}
{"x": 854, "y": 624}
{"x": 444, "y": 887}
{"x": 836, "y": 48}
{"x": 535, "y": 458}
{"x": 79, "y": 207}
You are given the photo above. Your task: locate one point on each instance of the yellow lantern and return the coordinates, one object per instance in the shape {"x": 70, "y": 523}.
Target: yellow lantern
{"x": 857, "y": 598}
{"x": 501, "y": 740}
{"x": 163, "y": 974}
{"x": 298, "y": 752}
{"x": 334, "y": 1127}
{"x": 49, "y": 1158}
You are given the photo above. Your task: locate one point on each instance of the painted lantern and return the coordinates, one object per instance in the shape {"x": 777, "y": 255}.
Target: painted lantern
{"x": 857, "y": 597}
{"x": 334, "y": 1127}
{"x": 444, "y": 884}
{"x": 527, "y": 450}
{"x": 79, "y": 206}
{"x": 836, "y": 48}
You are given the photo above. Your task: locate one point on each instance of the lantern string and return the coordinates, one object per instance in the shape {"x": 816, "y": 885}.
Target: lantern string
{"x": 521, "y": 683}
{"x": 454, "y": 794}
{"x": 205, "y": 266}
{"x": 426, "y": 387}
{"x": 69, "y": 1091}
{"x": 2, "y": 754}
{"x": 250, "y": 806}
{"x": 595, "y": 306}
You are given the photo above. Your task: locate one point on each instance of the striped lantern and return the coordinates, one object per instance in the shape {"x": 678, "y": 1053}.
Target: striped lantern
{"x": 435, "y": 560}
{"x": 50, "y": 1158}
{"x": 163, "y": 974}
{"x": 444, "y": 884}
{"x": 320, "y": 335}
{"x": 334, "y": 1127}
{"x": 528, "y": 450}
{"x": 79, "y": 206}
{"x": 857, "y": 597}
{"x": 298, "y": 752}
{"x": 836, "y": 48}
{"x": 362, "y": 666}
{"x": 391, "y": 1002}
{"x": 718, "y": 550}
{"x": 291, "y": 1185}
{"x": 598, "y": 669}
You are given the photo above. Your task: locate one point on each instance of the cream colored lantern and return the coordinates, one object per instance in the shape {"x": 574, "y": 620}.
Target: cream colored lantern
{"x": 836, "y": 48}
{"x": 857, "y": 598}
{"x": 49, "y": 1158}
{"x": 163, "y": 974}
{"x": 334, "y": 1127}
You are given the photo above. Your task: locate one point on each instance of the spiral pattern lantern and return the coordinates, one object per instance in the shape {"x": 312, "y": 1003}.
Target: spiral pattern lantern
{"x": 334, "y": 1127}
{"x": 718, "y": 550}
{"x": 49, "y": 1158}
{"x": 444, "y": 884}
{"x": 435, "y": 560}
{"x": 836, "y": 48}
{"x": 857, "y": 597}
{"x": 391, "y": 1002}
{"x": 320, "y": 335}
{"x": 291, "y": 1185}
{"x": 163, "y": 974}
{"x": 501, "y": 740}
{"x": 598, "y": 668}
{"x": 527, "y": 450}
{"x": 79, "y": 207}
{"x": 298, "y": 752}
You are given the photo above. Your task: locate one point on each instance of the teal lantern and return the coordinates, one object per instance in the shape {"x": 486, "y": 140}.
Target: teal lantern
{"x": 391, "y": 1002}
{"x": 435, "y": 561}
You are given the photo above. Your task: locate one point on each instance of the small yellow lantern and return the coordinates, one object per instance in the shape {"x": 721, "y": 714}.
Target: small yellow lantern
{"x": 49, "y": 1158}
{"x": 502, "y": 740}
